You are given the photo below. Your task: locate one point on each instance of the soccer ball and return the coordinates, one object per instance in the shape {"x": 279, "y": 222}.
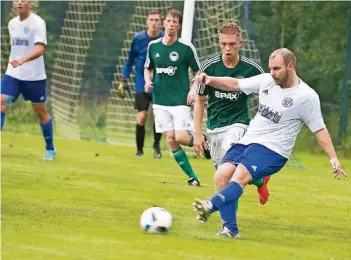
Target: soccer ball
{"x": 156, "y": 220}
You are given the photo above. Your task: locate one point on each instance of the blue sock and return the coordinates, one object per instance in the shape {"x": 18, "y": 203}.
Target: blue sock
{"x": 230, "y": 193}
{"x": 48, "y": 134}
{"x": 228, "y": 214}
{"x": 2, "y": 119}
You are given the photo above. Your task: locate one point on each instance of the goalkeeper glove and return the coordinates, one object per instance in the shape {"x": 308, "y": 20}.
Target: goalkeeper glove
{"x": 122, "y": 87}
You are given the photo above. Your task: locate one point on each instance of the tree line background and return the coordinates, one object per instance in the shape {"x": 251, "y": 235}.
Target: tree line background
{"x": 317, "y": 32}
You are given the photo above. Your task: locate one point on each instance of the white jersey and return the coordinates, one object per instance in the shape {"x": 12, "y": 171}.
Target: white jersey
{"x": 24, "y": 35}
{"x": 281, "y": 113}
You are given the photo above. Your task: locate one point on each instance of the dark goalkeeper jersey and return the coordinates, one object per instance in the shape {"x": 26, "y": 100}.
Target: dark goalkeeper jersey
{"x": 138, "y": 51}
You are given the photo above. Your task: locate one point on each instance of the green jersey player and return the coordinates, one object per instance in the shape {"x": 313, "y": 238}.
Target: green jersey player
{"x": 169, "y": 58}
{"x": 228, "y": 114}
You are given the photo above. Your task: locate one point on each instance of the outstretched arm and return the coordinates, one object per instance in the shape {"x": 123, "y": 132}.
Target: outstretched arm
{"x": 224, "y": 83}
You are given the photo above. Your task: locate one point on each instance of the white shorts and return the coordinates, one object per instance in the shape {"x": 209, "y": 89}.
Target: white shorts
{"x": 220, "y": 142}
{"x": 168, "y": 118}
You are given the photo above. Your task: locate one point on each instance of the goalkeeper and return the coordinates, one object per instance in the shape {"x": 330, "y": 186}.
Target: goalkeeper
{"x": 142, "y": 99}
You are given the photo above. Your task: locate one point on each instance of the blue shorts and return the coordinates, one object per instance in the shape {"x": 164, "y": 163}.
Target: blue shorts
{"x": 258, "y": 159}
{"x": 34, "y": 91}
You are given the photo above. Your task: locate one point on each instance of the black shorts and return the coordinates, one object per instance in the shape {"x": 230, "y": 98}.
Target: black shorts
{"x": 142, "y": 101}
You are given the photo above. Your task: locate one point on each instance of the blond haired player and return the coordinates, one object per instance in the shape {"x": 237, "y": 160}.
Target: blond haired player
{"x": 228, "y": 113}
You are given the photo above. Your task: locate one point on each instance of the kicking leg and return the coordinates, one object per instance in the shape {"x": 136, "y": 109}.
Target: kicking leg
{"x": 223, "y": 175}
{"x": 229, "y": 194}
{"x": 228, "y": 211}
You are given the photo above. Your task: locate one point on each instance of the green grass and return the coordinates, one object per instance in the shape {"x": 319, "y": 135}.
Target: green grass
{"x": 83, "y": 206}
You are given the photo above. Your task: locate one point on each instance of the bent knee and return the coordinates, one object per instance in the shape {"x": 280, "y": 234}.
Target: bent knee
{"x": 220, "y": 179}
{"x": 224, "y": 174}
{"x": 5, "y": 102}
{"x": 178, "y": 139}
{"x": 42, "y": 113}
{"x": 39, "y": 110}
{"x": 182, "y": 137}
{"x": 170, "y": 138}
{"x": 242, "y": 175}
{"x": 142, "y": 116}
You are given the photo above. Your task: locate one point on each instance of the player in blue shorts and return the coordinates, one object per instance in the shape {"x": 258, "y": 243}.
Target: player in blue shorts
{"x": 143, "y": 99}
{"x": 286, "y": 103}
{"x": 25, "y": 73}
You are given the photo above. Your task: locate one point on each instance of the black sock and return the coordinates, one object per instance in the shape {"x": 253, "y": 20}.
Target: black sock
{"x": 157, "y": 138}
{"x": 140, "y": 137}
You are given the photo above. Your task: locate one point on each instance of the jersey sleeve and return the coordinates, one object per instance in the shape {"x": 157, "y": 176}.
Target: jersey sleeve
{"x": 128, "y": 66}
{"x": 255, "y": 83}
{"x": 40, "y": 32}
{"x": 311, "y": 113}
{"x": 202, "y": 90}
{"x": 194, "y": 63}
{"x": 9, "y": 24}
{"x": 149, "y": 63}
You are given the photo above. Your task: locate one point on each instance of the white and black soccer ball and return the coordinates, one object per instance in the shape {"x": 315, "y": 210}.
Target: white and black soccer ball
{"x": 156, "y": 220}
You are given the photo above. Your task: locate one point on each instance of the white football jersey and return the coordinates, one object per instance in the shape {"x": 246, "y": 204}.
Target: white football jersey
{"x": 24, "y": 35}
{"x": 281, "y": 113}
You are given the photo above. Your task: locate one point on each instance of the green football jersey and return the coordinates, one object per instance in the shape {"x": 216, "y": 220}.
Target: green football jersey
{"x": 227, "y": 107}
{"x": 170, "y": 64}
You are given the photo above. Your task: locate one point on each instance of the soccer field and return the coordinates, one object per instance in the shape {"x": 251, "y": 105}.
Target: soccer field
{"x": 84, "y": 206}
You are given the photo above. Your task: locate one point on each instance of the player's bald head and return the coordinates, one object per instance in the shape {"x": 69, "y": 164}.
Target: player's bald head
{"x": 287, "y": 56}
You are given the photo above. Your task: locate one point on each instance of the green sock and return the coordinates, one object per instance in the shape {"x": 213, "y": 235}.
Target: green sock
{"x": 258, "y": 183}
{"x": 182, "y": 160}
{"x": 191, "y": 143}
{"x": 236, "y": 205}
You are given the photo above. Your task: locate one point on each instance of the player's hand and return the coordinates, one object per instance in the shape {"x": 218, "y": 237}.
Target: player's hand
{"x": 338, "y": 171}
{"x": 203, "y": 78}
{"x": 122, "y": 88}
{"x": 191, "y": 97}
{"x": 148, "y": 86}
{"x": 16, "y": 63}
{"x": 199, "y": 144}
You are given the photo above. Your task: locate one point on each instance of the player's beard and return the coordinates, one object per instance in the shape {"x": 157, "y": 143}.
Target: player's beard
{"x": 283, "y": 79}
